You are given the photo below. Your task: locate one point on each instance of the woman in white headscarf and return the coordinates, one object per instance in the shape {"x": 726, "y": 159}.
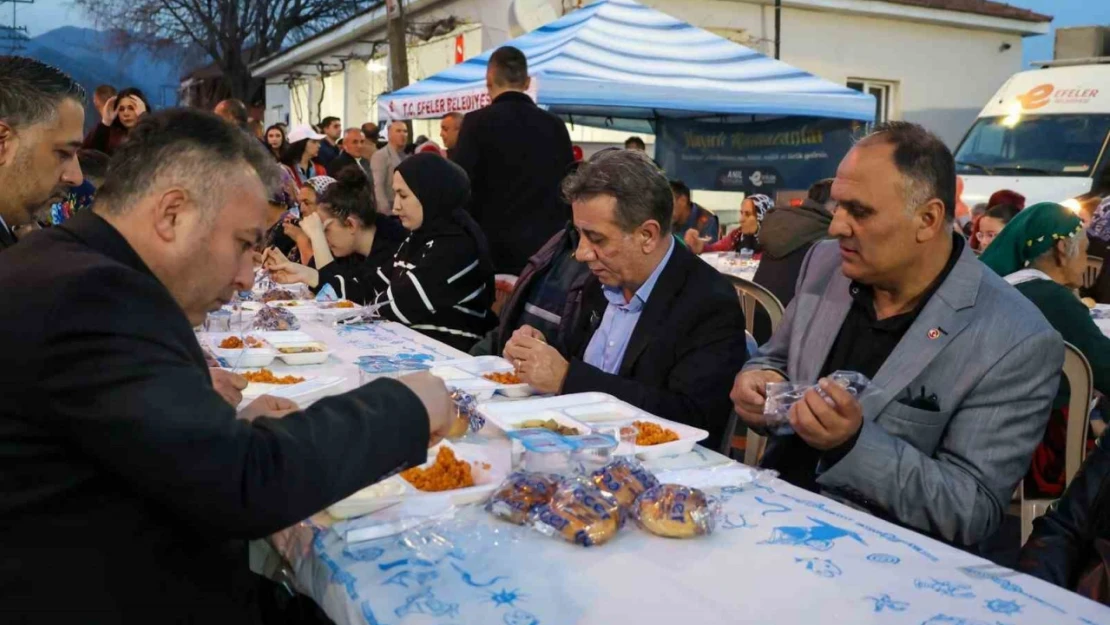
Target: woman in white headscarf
{"x": 746, "y": 235}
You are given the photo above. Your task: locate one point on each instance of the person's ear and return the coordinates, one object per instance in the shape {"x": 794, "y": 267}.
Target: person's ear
{"x": 169, "y": 208}
{"x": 650, "y": 235}
{"x": 8, "y": 144}
{"x": 932, "y": 220}
{"x": 527, "y": 83}
{"x": 1061, "y": 254}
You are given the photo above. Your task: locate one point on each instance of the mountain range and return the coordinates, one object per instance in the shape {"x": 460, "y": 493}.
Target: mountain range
{"x": 91, "y": 59}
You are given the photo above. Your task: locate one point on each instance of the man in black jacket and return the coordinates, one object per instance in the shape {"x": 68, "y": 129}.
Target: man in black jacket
{"x": 42, "y": 112}
{"x": 658, "y": 328}
{"x": 353, "y": 142}
{"x": 516, "y": 155}
{"x": 125, "y": 479}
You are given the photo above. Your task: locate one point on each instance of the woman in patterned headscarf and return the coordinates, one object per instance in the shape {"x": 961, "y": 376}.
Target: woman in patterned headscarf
{"x": 1043, "y": 253}
{"x": 746, "y": 235}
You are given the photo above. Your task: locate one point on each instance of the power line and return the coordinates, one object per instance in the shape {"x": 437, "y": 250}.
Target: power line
{"x": 12, "y": 35}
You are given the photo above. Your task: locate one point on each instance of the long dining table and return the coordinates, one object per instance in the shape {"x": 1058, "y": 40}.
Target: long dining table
{"x": 778, "y": 554}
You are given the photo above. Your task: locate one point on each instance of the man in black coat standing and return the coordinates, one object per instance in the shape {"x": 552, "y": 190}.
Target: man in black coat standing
{"x": 42, "y": 112}
{"x": 658, "y": 328}
{"x": 125, "y": 479}
{"x": 516, "y": 155}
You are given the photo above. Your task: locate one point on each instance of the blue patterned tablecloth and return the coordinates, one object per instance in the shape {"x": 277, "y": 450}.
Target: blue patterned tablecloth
{"x": 779, "y": 555}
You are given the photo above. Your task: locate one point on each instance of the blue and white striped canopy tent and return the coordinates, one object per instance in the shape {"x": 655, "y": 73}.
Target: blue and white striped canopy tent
{"x": 618, "y": 59}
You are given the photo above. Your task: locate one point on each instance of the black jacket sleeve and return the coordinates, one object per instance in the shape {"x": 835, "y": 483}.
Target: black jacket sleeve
{"x": 1062, "y": 539}
{"x": 468, "y": 150}
{"x": 129, "y": 396}
{"x": 348, "y": 277}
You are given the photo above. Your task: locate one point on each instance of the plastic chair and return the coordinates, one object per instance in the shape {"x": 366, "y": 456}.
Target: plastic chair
{"x": 751, "y": 294}
{"x": 1094, "y": 266}
{"x": 1077, "y": 371}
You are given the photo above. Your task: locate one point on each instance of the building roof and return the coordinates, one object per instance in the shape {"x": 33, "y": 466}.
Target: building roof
{"x": 622, "y": 59}
{"x": 979, "y": 7}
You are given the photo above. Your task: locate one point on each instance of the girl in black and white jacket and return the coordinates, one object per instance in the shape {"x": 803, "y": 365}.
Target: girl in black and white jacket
{"x": 441, "y": 279}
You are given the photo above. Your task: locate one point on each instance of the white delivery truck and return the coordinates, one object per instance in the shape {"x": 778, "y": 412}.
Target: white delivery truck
{"x": 1044, "y": 135}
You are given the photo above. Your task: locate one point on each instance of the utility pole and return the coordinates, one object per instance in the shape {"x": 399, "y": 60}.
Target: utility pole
{"x": 778, "y": 29}
{"x": 13, "y": 36}
{"x": 398, "y": 51}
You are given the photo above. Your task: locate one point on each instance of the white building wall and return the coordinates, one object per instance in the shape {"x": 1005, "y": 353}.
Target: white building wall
{"x": 277, "y": 104}
{"x": 943, "y": 74}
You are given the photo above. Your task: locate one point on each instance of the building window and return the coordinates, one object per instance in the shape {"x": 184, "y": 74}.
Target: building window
{"x": 882, "y": 91}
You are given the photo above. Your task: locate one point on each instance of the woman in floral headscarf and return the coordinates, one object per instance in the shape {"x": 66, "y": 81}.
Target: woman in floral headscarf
{"x": 307, "y": 197}
{"x": 1043, "y": 253}
{"x": 746, "y": 235}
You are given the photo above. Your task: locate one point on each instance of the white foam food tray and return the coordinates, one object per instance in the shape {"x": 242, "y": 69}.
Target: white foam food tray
{"x": 299, "y": 307}
{"x": 317, "y": 357}
{"x": 303, "y": 393}
{"x": 458, "y": 373}
{"x": 328, "y": 312}
{"x": 396, "y": 489}
{"x": 513, "y": 422}
{"x": 246, "y": 357}
{"x": 600, "y": 412}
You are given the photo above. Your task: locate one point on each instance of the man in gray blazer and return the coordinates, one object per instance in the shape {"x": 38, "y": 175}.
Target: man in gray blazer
{"x": 385, "y": 162}
{"x": 963, "y": 368}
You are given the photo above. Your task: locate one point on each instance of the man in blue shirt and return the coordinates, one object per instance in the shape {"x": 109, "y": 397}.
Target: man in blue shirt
{"x": 689, "y": 216}
{"x": 657, "y": 328}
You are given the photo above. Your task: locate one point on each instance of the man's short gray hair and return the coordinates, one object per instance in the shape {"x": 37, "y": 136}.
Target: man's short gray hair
{"x": 640, "y": 188}
{"x": 455, "y": 115}
{"x": 188, "y": 147}
{"x": 926, "y": 164}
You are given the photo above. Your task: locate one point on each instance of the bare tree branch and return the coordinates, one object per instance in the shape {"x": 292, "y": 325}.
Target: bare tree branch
{"x": 229, "y": 33}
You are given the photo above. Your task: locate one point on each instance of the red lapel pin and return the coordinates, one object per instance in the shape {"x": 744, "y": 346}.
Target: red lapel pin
{"x": 934, "y": 334}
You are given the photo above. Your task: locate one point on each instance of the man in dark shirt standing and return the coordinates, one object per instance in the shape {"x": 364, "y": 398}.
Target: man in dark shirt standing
{"x": 329, "y": 147}
{"x": 516, "y": 155}
{"x": 963, "y": 369}
{"x": 42, "y": 112}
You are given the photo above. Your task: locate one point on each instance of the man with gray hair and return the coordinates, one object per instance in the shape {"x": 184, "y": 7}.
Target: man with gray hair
{"x": 658, "y": 328}
{"x": 962, "y": 368}
{"x": 115, "y": 446}
{"x": 42, "y": 113}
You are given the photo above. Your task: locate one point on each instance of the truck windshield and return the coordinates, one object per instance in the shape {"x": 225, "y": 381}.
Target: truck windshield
{"x": 1033, "y": 145}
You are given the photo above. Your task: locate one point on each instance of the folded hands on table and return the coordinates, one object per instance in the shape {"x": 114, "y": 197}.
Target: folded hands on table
{"x": 537, "y": 363}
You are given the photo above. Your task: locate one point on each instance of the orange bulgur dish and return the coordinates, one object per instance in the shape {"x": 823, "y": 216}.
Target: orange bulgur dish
{"x": 507, "y": 377}
{"x": 447, "y": 473}
{"x": 265, "y": 376}
{"x": 653, "y": 434}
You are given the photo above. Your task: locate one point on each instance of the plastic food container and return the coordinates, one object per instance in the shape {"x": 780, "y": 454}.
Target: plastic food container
{"x": 592, "y": 451}
{"x": 244, "y": 357}
{"x": 545, "y": 452}
{"x": 310, "y": 353}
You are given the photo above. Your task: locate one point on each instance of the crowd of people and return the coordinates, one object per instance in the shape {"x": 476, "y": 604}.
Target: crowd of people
{"x": 118, "y": 443}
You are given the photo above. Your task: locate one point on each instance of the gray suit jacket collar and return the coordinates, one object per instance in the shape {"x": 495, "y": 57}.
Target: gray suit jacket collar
{"x": 948, "y": 312}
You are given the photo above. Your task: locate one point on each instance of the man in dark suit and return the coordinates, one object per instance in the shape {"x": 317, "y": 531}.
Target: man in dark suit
{"x": 42, "y": 112}
{"x": 125, "y": 479}
{"x": 516, "y": 155}
{"x": 353, "y": 143}
{"x": 659, "y": 328}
